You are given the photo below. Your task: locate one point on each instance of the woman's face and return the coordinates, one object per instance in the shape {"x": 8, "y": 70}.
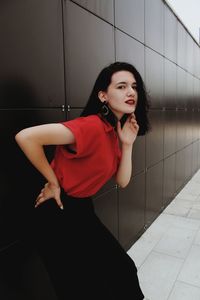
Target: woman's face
{"x": 121, "y": 95}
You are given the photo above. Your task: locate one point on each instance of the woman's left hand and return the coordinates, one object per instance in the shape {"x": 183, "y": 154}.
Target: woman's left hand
{"x": 128, "y": 133}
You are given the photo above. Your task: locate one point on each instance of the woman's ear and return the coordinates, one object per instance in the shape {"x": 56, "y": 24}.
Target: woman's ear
{"x": 102, "y": 96}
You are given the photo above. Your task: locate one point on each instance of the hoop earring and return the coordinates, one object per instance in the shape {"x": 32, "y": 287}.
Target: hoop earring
{"x": 104, "y": 109}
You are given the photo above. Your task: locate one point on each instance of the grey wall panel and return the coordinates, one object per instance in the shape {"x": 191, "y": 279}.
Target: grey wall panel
{"x": 169, "y": 132}
{"x": 131, "y": 210}
{"x": 195, "y": 148}
{"x": 139, "y": 155}
{"x": 154, "y": 25}
{"x": 170, "y": 35}
{"x": 16, "y": 169}
{"x": 129, "y": 17}
{"x": 106, "y": 207}
{"x": 128, "y": 49}
{"x": 169, "y": 179}
{"x": 180, "y": 169}
{"x": 32, "y": 69}
{"x": 188, "y": 161}
{"x": 83, "y": 66}
{"x": 154, "y": 192}
{"x": 180, "y": 129}
{"x": 154, "y": 139}
{"x": 154, "y": 77}
{"x": 181, "y": 46}
{"x": 181, "y": 88}
{"x": 102, "y": 8}
{"x": 189, "y": 54}
{"x": 170, "y": 84}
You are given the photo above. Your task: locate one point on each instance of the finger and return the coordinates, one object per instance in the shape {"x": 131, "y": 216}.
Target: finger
{"x": 39, "y": 201}
{"x": 59, "y": 203}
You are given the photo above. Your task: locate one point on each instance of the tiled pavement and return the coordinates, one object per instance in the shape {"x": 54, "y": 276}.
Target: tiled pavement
{"x": 167, "y": 255}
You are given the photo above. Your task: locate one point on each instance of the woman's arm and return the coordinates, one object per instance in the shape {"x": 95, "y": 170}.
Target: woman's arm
{"x": 125, "y": 167}
{"x": 127, "y": 136}
{"x": 31, "y": 140}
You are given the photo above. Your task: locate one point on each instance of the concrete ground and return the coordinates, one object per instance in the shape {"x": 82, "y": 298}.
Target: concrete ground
{"x": 167, "y": 255}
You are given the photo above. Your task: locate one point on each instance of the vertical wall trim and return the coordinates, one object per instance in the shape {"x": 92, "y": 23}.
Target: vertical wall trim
{"x": 64, "y": 47}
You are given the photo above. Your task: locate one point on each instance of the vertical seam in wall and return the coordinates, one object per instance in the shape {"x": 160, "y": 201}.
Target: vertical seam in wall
{"x": 145, "y": 151}
{"x": 115, "y": 58}
{"x": 64, "y": 57}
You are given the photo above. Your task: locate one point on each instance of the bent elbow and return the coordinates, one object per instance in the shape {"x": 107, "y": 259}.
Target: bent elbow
{"x": 122, "y": 184}
{"x": 21, "y": 136}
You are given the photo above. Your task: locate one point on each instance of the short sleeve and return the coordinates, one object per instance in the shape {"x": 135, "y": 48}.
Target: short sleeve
{"x": 86, "y": 131}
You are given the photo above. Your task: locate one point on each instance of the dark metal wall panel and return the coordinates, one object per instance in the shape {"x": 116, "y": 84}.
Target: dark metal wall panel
{"x": 106, "y": 207}
{"x": 101, "y": 8}
{"x": 139, "y": 155}
{"x": 95, "y": 38}
{"x": 128, "y": 49}
{"x": 180, "y": 169}
{"x": 180, "y": 129}
{"x": 169, "y": 179}
{"x": 154, "y": 192}
{"x": 170, "y": 35}
{"x": 169, "y": 132}
{"x": 129, "y": 17}
{"x": 154, "y": 77}
{"x": 154, "y": 139}
{"x": 20, "y": 180}
{"x": 181, "y": 88}
{"x": 131, "y": 210}
{"x": 170, "y": 84}
{"x": 32, "y": 69}
{"x": 181, "y": 46}
{"x": 154, "y": 25}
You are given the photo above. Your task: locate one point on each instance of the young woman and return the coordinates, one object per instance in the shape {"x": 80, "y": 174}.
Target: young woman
{"x": 82, "y": 257}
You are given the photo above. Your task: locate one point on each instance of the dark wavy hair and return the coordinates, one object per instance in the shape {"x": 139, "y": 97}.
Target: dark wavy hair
{"x": 103, "y": 80}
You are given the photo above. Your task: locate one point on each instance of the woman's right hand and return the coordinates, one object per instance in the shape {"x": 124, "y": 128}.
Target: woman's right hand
{"x": 49, "y": 191}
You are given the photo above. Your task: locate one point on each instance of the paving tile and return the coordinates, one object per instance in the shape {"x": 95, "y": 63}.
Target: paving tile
{"x": 158, "y": 274}
{"x": 144, "y": 245}
{"x": 190, "y": 272}
{"x": 183, "y": 291}
{"x": 194, "y": 214}
{"x": 176, "y": 241}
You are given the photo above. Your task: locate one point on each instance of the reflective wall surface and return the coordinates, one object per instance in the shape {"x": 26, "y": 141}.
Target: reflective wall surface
{"x": 51, "y": 54}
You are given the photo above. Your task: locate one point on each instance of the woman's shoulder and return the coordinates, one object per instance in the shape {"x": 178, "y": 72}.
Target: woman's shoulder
{"x": 91, "y": 120}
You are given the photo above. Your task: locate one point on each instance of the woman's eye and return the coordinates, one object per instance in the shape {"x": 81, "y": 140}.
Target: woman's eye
{"x": 121, "y": 87}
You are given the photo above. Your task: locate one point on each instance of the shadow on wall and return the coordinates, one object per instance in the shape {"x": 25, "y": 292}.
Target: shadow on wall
{"x": 20, "y": 181}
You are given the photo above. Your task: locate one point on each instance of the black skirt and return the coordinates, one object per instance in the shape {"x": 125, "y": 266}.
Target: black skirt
{"x": 82, "y": 257}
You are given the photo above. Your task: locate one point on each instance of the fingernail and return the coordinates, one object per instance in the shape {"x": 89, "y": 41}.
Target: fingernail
{"x": 61, "y": 207}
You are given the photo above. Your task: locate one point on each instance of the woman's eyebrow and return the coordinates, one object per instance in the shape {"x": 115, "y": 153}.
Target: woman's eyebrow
{"x": 124, "y": 82}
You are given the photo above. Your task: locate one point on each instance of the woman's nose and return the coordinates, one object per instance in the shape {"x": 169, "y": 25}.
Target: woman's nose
{"x": 131, "y": 91}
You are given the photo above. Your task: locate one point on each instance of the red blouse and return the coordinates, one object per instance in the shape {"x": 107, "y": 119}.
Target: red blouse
{"x": 96, "y": 160}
